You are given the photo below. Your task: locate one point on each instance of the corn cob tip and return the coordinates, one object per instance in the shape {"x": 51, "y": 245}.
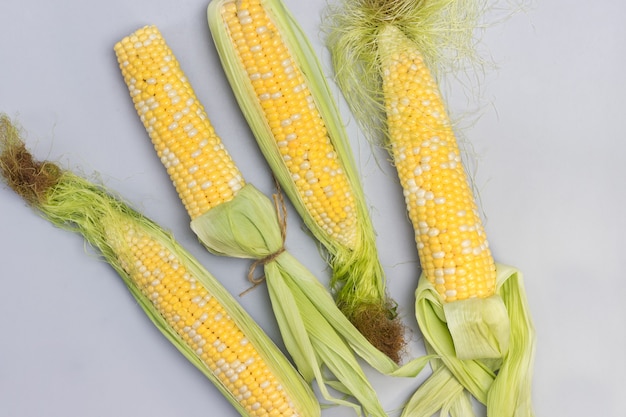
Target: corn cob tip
{"x": 436, "y": 26}
{"x": 444, "y": 31}
{"x": 29, "y": 178}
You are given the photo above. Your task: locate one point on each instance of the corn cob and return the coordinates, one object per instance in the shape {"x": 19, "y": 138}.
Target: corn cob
{"x": 244, "y": 222}
{"x": 183, "y": 300}
{"x": 284, "y": 96}
{"x": 195, "y": 158}
{"x": 292, "y": 115}
{"x": 451, "y": 240}
{"x": 461, "y": 305}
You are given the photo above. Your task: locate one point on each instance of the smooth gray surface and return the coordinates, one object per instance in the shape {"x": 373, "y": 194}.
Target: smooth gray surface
{"x": 549, "y": 148}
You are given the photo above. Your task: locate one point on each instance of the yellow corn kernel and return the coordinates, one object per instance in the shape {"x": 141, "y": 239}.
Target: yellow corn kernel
{"x": 452, "y": 244}
{"x": 198, "y": 164}
{"x": 290, "y": 111}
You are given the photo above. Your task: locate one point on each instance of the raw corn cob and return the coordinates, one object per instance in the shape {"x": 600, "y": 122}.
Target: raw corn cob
{"x": 471, "y": 311}
{"x": 184, "y": 301}
{"x": 232, "y": 218}
{"x": 200, "y": 167}
{"x": 284, "y": 96}
{"x": 454, "y": 252}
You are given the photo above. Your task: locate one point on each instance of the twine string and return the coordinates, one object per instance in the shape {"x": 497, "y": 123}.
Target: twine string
{"x": 281, "y": 213}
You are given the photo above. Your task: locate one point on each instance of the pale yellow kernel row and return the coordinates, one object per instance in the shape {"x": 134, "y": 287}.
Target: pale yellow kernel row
{"x": 196, "y": 160}
{"x": 296, "y": 124}
{"x": 452, "y": 245}
{"x": 204, "y": 325}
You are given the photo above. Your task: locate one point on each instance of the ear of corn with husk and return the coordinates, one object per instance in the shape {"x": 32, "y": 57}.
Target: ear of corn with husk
{"x": 283, "y": 94}
{"x": 185, "y": 302}
{"x": 472, "y": 312}
{"x": 232, "y": 218}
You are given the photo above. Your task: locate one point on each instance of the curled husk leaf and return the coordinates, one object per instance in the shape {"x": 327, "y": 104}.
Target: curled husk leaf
{"x": 503, "y": 385}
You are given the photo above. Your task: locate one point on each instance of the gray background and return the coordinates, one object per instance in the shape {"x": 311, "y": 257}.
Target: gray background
{"x": 547, "y": 150}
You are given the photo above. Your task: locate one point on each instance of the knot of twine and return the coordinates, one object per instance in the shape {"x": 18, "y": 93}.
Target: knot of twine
{"x": 281, "y": 212}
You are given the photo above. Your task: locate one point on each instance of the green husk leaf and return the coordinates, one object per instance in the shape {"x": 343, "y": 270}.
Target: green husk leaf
{"x": 510, "y": 394}
{"x": 475, "y": 376}
{"x": 78, "y": 205}
{"x": 479, "y": 327}
{"x": 503, "y": 385}
{"x": 358, "y": 278}
{"x": 436, "y": 393}
{"x": 315, "y": 332}
{"x": 245, "y": 227}
{"x": 328, "y": 346}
